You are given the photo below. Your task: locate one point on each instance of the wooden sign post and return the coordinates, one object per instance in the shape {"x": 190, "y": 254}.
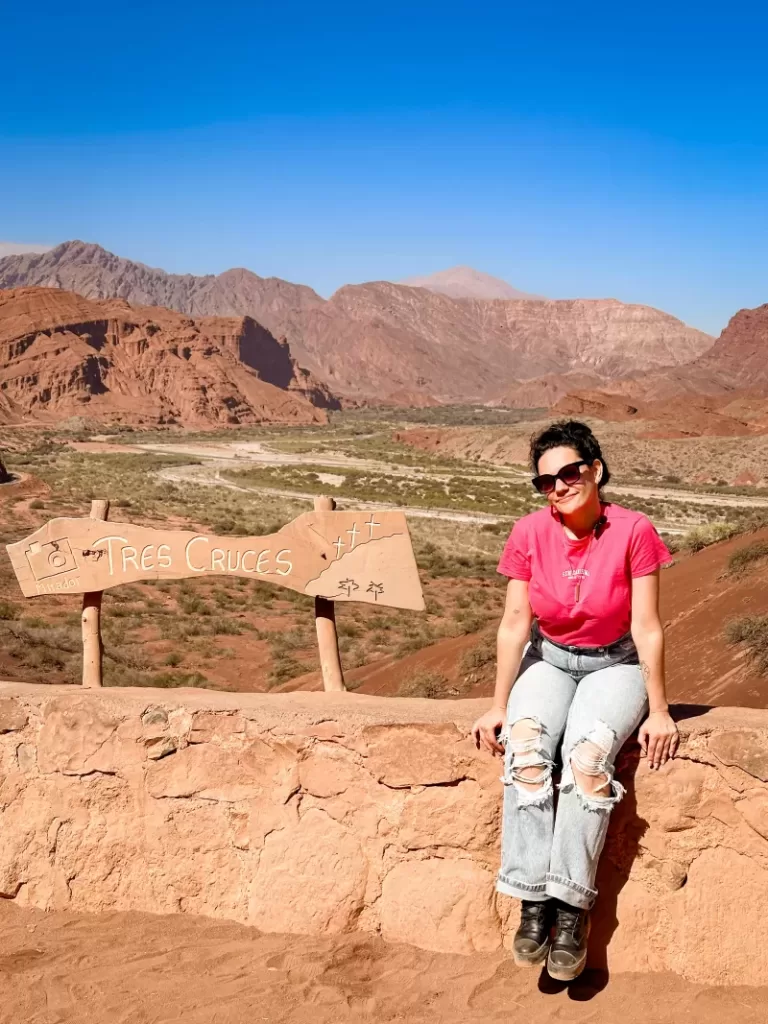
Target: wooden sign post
{"x": 93, "y": 645}
{"x": 332, "y": 556}
{"x": 325, "y": 626}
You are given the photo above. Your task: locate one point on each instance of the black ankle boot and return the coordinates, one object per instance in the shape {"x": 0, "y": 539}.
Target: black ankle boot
{"x": 568, "y": 952}
{"x": 532, "y": 937}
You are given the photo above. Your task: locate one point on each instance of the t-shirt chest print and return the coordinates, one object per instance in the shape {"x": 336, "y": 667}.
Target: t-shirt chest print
{"x": 577, "y": 573}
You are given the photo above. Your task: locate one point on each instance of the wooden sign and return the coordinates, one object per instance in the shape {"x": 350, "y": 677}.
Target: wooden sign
{"x": 341, "y": 556}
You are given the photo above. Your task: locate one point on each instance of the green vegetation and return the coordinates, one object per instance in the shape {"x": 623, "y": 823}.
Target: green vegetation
{"x": 475, "y": 662}
{"x": 703, "y": 536}
{"x": 424, "y": 683}
{"x": 745, "y": 559}
{"x": 438, "y": 416}
{"x": 751, "y": 631}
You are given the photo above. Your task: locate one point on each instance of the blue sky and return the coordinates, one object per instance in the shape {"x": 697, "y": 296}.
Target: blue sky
{"x": 575, "y": 150}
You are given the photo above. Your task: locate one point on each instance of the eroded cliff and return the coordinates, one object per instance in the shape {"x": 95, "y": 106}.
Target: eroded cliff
{"x": 64, "y": 355}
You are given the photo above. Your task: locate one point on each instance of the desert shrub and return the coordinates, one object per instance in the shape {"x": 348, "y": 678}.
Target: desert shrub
{"x": 37, "y": 504}
{"x": 284, "y": 669}
{"x": 482, "y": 654}
{"x": 226, "y": 627}
{"x": 8, "y": 610}
{"x": 193, "y": 604}
{"x": 702, "y": 536}
{"x": 471, "y": 621}
{"x": 424, "y": 683}
{"x": 35, "y": 622}
{"x": 752, "y": 632}
{"x": 173, "y": 679}
{"x": 173, "y": 658}
{"x": 350, "y": 629}
{"x": 224, "y": 599}
{"x": 744, "y": 559}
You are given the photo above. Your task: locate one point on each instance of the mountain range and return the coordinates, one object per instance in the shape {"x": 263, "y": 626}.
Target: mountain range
{"x": 408, "y": 344}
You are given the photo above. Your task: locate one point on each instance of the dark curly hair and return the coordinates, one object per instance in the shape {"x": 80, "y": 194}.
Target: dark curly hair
{"x": 569, "y": 434}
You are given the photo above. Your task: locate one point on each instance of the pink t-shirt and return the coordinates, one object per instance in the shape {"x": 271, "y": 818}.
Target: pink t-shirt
{"x": 600, "y": 568}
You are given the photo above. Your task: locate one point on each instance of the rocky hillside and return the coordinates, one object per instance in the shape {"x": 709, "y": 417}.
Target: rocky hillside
{"x": 64, "y": 355}
{"x": 389, "y": 342}
{"x": 739, "y": 357}
{"x": 722, "y": 392}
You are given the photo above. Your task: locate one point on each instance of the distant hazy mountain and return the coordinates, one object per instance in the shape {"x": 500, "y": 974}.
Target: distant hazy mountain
{"x": 18, "y": 248}
{"x": 466, "y": 283}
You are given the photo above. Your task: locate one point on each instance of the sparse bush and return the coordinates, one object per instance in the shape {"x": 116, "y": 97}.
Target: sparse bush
{"x": 285, "y": 668}
{"x": 745, "y": 559}
{"x": 226, "y": 627}
{"x": 8, "y": 610}
{"x": 703, "y": 536}
{"x": 424, "y": 683}
{"x": 484, "y": 653}
{"x": 173, "y": 658}
{"x": 752, "y": 632}
{"x": 173, "y": 679}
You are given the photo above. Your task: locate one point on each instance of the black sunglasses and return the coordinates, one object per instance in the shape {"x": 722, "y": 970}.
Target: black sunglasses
{"x": 570, "y": 475}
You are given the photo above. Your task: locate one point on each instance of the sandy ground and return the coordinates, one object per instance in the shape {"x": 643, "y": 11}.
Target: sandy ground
{"x": 61, "y": 968}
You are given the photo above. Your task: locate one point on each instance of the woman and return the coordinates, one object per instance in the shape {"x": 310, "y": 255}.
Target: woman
{"x": 582, "y": 641}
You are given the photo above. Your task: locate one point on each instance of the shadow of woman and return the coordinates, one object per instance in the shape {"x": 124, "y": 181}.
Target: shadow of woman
{"x": 625, "y": 831}
{"x": 622, "y": 845}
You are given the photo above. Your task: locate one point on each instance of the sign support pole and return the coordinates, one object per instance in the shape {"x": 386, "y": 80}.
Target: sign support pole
{"x": 93, "y": 646}
{"x": 325, "y": 624}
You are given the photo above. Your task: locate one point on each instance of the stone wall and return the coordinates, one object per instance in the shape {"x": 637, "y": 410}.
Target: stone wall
{"x": 320, "y": 813}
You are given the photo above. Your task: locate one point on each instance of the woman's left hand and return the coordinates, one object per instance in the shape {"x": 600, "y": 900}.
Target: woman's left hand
{"x": 658, "y": 738}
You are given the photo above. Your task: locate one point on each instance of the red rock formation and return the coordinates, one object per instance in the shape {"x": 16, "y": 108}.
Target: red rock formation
{"x": 723, "y": 392}
{"x": 63, "y": 355}
{"x": 388, "y": 342}
{"x": 739, "y": 357}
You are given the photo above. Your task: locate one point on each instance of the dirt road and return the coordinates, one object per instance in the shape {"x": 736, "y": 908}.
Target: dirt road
{"x": 210, "y": 476}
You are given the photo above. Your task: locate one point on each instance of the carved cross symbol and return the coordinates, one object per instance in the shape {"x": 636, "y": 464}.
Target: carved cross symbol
{"x": 349, "y": 586}
{"x": 353, "y": 533}
{"x": 376, "y": 589}
{"x": 338, "y": 544}
{"x": 370, "y": 524}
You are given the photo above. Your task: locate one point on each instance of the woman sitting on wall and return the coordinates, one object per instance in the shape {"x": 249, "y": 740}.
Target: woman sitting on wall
{"x": 582, "y": 642}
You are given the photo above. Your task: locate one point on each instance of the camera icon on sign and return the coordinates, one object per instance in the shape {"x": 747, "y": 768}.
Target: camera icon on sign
{"x": 50, "y": 559}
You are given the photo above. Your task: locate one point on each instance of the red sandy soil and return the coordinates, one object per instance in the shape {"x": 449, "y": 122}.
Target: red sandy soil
{"x": 61, "y": 968}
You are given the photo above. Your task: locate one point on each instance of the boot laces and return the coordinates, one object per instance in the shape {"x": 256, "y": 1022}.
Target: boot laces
{"x": 533, "y": 912}
{"x": 568, "y": 922}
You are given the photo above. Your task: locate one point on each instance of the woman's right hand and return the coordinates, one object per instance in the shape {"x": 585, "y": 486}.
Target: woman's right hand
{"x": 485, "y": 728}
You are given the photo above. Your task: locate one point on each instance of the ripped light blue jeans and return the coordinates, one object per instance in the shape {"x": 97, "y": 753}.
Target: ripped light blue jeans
{"x": 593, "y": 703}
